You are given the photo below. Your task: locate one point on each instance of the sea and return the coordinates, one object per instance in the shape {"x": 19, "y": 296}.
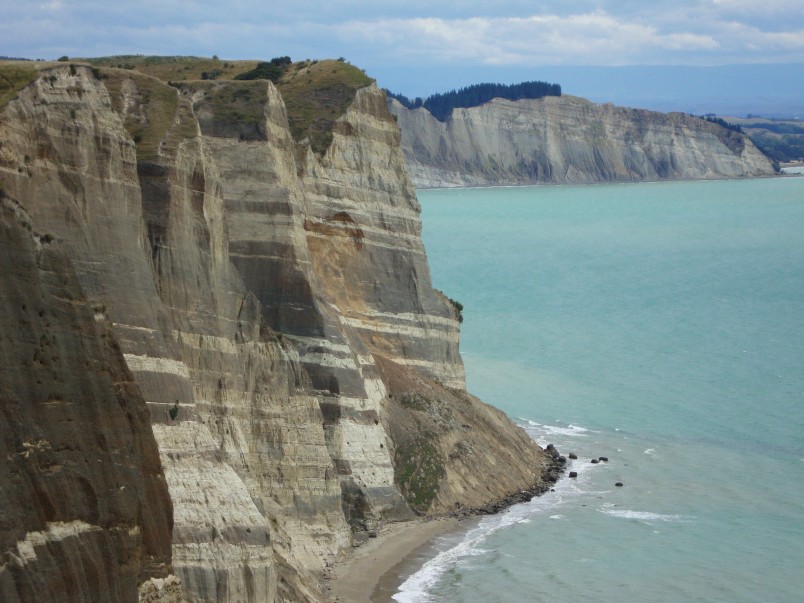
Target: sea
{"x": 659, "y": 325}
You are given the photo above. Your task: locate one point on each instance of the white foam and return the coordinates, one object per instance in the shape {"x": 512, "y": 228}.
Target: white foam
{"x": 417, "y": 587}
{"x": 650, "y": 451}
{"x": 646, "y": 516}
{"x": 542, "y": 432}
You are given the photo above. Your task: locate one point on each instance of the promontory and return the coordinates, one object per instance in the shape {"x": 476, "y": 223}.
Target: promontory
{"x": 222, "y": 359}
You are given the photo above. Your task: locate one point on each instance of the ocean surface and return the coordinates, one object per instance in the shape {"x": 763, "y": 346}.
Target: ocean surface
{"x": 662, "y": 326}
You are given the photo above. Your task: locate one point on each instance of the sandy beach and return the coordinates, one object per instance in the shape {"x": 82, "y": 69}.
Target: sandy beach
{"x": 372, "y": 572}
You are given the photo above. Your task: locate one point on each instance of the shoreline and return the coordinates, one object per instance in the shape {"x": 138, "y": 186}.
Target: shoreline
{"x": 374, "y": 570}
{"x": 603, "y": 183}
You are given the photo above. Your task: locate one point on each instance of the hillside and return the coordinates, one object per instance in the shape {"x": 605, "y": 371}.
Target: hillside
{"x": 780, "y": 139}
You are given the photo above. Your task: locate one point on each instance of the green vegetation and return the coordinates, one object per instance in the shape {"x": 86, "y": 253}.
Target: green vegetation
{"x": 441, "y": 105}
{"x": 458, "y": 308}
{"x": 780, "y": 139}
{"x": 784, "y": 148}
{"x": 413, "y": 401}
{"x": 712, "y": 119}
{"x": 316, "y": 94}
{"x": 173, "y": 411}
{"x": 267, "y": 71}
{"x": 159, "y": 104}
{"x": 14, "y": 76}
{"x": 176, "y": 68}
{"x": 238, "y": 108}
{"x": 419, "y": 470}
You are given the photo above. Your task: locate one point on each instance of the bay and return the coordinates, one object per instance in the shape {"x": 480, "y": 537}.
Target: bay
{"x": 660, "y": 325}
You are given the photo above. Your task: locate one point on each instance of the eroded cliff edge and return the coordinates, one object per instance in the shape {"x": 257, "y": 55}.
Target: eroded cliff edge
{"x": 258, "y": 312}
{"x": 569, "y": 140}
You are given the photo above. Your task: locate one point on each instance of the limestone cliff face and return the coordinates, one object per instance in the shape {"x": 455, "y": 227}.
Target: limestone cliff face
{"x": 569, "y": 140}
{"x": 269, "y": 309}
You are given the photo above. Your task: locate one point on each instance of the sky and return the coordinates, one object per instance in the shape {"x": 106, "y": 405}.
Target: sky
{"x": 418, "y": 47}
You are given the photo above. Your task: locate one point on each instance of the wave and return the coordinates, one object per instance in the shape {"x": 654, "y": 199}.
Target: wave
{"x": 645, "y": 516}
{"x": 553, "y": 430}
{"x": 417, "y": 587}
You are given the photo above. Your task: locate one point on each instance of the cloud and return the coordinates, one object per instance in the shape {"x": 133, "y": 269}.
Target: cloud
{"x": 410, "y": 32}
{"x": 755, "y": 7}
{"x": 595, "y": 37}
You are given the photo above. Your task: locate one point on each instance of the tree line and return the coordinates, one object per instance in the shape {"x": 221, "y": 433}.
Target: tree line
{"x": 711, "y": 118}
{"x": 442, "y": 104}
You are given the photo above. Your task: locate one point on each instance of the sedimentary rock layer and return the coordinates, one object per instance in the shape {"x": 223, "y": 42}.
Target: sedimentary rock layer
{"x": 569, "y": 140}
{"x": 256, "y": 310}
{"x": 84, "y": 507}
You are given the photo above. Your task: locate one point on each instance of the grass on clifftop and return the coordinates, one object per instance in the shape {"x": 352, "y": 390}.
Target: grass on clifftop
{"x": 14, "y": 76}
{"x": 176, "y": 68}
{"x": 148, "y": 127}
{"x": 238, "y": 108}
{"x": 316, "y": 93}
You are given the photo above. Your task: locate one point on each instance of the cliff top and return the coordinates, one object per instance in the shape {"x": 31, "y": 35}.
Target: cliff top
{"x": 316, "y": 93}
{"x": 14, "y": 76}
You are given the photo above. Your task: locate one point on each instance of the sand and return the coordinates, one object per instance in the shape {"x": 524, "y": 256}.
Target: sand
{"x": 374, "y": 570}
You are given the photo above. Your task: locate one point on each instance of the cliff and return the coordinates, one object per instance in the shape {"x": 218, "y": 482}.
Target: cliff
{"x": 569, "y": 140}
{"x": 224, "y": 362}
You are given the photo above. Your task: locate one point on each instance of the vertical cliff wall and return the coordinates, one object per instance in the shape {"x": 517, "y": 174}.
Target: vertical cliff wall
{"x": 268, "y": 307}
{"x": 84, "y": 507}
{"x": 569, "y": 140}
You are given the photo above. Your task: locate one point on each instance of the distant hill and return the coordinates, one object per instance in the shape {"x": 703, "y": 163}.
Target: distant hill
{"x": 780, "y": 139}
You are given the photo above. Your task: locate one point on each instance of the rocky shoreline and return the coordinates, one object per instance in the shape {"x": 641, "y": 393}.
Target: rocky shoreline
{"x": 555, "y": 468}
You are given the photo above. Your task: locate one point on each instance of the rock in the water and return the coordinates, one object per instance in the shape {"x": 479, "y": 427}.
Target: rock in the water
{"x": 595, "y": 461}
{"x": 573, "y": 456}
{"x": 619, "y": 484}
{"x": 573, "y": 474}
{"x": 605, "y": 459}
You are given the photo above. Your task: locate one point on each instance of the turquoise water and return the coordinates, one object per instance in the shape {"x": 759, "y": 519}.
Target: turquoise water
{"x": 660, "y": 325}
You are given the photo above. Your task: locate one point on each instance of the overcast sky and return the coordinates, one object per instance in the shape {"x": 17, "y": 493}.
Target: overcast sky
{"x": 404, "y": 37}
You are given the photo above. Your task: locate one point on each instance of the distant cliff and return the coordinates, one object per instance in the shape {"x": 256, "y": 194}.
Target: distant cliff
{"x": 223, "y": 359}
{"x": 569, "y": 140}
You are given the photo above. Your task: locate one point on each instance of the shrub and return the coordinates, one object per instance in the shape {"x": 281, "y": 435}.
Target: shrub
{"x": 458, "y": 308}
{"x": 267, "y": 71}
{"x": 418, "y": 469}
